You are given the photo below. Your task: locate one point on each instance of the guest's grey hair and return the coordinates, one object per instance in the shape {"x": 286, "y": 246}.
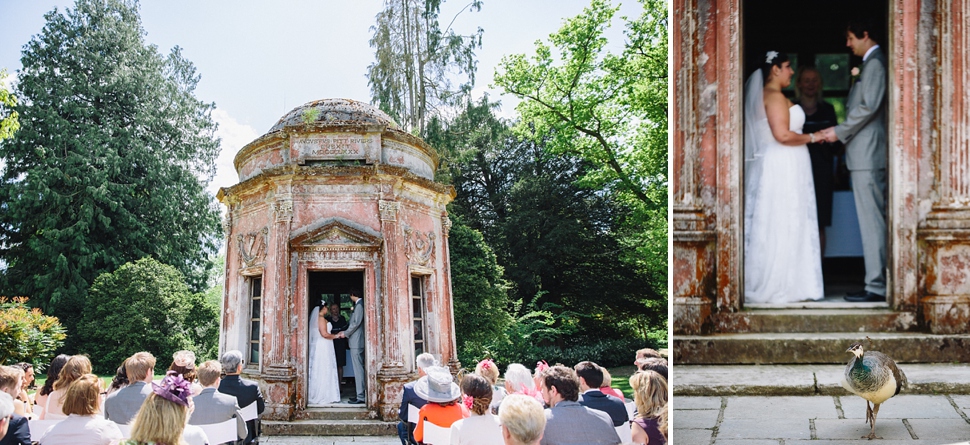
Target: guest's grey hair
{"x": 6, "y": 405}
{"x": 523, "y": 417}
{"x": 518, "y": 378}
{"x": 424, "y": 361}
{"x": 230, "y": 361}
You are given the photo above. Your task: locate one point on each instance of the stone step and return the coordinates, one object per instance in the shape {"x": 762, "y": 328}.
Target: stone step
{"x": 823, "y": 347}
{"x": 339, "y": 413}
{"x": 318, "y": 427}
{"x": 849, "y": 319}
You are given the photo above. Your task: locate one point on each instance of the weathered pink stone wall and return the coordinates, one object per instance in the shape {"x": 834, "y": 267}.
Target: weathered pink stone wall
{"x": 349, "y": 192}
{"x": 929, "y": 144}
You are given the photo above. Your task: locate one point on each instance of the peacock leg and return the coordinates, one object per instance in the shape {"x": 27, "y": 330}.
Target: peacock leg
{"x": 872, "y": 431}
{"x": 868, "y": 412}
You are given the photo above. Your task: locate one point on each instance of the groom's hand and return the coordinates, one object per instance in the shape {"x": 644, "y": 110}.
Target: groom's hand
{"x": 829, "y": 135}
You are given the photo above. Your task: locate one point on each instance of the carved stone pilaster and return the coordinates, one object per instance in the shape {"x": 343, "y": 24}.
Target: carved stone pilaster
{"x": 446, "y": 224}
{"x": 284, "y": 210}
{"x": 389, "y": 210}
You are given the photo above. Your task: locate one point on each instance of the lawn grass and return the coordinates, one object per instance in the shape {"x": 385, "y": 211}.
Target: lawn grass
{"x": 105, "y": 379}
{"x": 621, "y": 379}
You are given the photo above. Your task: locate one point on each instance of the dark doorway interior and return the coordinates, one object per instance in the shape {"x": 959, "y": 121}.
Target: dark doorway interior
{"x": 333, "y": 287}
{"x": 812, "y": 33}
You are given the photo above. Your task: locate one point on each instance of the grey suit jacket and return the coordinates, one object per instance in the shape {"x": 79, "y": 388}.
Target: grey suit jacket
{"x": 212, "y": 406}
{"x": 569, "y": 423}
{"x": 355, "y": 328}
{"x": 864, "y": 129}
{"x": 122, "y": 405}
{"x": 606, "y": 403}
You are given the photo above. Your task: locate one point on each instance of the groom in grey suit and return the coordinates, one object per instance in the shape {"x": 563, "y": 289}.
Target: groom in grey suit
{"x": 355, "y": 332}
{"x": 866, "y": 150}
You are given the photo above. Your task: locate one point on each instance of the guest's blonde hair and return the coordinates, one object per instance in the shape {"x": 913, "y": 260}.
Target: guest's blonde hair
{"x": 209, "y": 372}
{"x": 487, "y": 368}
{"x": 83, "y": 396}
{"x": 160, "y": 421}
{"x": 139, "y": 365}
{"x": 523, "y": 417}
{"x": 75, "y": 367}
{"x": 649, "y": 393}
{"x": 9, "y": 375}
{"x": 607, "y": 378}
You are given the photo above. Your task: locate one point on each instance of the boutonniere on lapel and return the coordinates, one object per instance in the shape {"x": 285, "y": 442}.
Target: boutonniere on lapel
{"x": 856, "y": 72}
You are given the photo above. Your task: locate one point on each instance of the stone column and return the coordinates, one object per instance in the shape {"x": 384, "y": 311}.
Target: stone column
{"x": 277, "y": 370}
{"x": 450, "y": 347}
{"x": 705, "y": 162}
{"x": 944, "y": 234}
{"x": 396, "y": 327}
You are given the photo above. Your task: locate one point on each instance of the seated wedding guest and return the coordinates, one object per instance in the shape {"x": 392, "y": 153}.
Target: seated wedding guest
{"x": 11, "y": 382}
{"x": 245, "y": 391}
{"x": 487, "y": 368}
{"x": 590, "y": 380}
{"x": 53, "y": 370}
{"x": 442, "y": 394}
{"x": 518, "y": 380}
{"x": 183, "y": 362}
{"x": 646, "y": 353}
{"x": 122, "y": 405}
{"x": 119, "y": 381}
{"x": 162, "y": 417}
{"x": 541, "y": 366}
{"x": 607, "y": 386}
{"x": 568, "y": 422}
{"x": 24, "y": 397}
{"x": 75, "y": 367}
{"x": 212, "y": 406}
{"x": 83, "y": 425}
{"x": 18, "y": 430}
{"x": 657, "y": 365}
{"x": 405, "y": 429}
{"x": 13, "y": 428}
{"x": 481, "y": 427}
{"x": 650, "y": 398}
{"x": 522, "y": 419}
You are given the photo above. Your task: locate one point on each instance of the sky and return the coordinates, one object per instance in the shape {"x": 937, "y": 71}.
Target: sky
{"x": 260, "y": 59}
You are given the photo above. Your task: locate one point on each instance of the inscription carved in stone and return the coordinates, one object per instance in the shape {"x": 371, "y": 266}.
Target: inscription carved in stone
{"x": 252, "y": 247}
{"x": 335, "y": 255}
{"x": 332, "y": 147}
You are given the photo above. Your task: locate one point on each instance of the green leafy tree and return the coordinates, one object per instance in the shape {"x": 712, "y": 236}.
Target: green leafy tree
{"x": 111, "y": 161}
{"x": 9, "y": 122}
{"x": 478, "y": 293}
{"x": 145, "y": 306}
{"x": 27, "y": 335}
{"x": 419, "y": 67}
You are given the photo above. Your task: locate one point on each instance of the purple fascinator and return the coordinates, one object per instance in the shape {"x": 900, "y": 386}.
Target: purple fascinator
{"x": 173, "y": 388}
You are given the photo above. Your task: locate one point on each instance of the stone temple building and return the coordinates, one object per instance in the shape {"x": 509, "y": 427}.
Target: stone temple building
{"x": 336, "y": 196}
{"x": 714, "y": 46}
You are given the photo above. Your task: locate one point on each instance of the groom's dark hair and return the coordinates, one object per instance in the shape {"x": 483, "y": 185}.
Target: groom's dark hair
{"x": 355, "y": 292}
{"x": 859, "y": 27}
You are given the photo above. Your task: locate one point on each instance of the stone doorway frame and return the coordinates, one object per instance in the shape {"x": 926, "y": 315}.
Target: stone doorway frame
{"x": 706, "y": 136}
{"x": 336, "y": 245}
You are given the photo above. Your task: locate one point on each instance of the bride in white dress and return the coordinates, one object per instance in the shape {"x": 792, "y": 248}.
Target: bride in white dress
{"x": 782, "y": 255}
{"x": 324, "y": 388}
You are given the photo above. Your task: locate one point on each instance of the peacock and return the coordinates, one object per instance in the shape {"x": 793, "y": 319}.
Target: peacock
{"x": 875, "y": 377}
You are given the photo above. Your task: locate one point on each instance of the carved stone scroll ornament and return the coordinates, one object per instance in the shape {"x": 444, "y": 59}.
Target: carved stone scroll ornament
{"x": 389, "y": 210}
{"x": 420, "y": 246}
{"x": 252, "y": 247}
{"x": 284, "y": 210}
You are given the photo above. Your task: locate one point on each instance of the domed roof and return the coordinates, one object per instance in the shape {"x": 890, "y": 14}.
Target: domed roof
{"x": 335, "y": 112}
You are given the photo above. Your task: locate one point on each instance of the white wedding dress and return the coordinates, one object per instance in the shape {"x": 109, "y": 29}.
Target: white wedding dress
{"x": 782, "y": 255}
{"x": 323, "y": 386}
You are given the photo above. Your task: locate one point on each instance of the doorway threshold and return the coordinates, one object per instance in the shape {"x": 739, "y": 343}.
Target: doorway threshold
{"x": 829, "y": 302}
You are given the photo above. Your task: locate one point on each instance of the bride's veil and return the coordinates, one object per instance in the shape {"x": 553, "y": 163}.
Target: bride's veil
{"x": 314, "y": 320}
{"x": 755, "y": 132}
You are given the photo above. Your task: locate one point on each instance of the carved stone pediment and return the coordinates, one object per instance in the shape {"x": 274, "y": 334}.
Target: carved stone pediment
{"x": 336, "y": 233}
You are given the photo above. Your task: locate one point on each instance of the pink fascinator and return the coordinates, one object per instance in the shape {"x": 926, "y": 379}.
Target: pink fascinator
{"x": 173, "y": 388}
{"x": 541, "y": 365}
{"x": 487, "y": 363}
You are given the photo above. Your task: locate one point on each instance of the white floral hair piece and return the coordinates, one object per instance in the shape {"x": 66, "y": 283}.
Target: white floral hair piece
{"x": 771, "y": 56}
{"x": 185, "y": 359}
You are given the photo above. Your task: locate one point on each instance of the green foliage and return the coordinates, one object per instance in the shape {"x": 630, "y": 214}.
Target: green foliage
{"x": 145, "y": 306}
{"x": 478, "y": 293}
{"x": 27, "y": 335}
{"x": 9, "y": 123}
{"x": 111, "y": 161}
{"x": 416, "y": 62}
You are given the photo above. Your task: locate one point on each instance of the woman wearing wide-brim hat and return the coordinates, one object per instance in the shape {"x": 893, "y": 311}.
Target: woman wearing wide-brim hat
{"x": 442, "y": 393}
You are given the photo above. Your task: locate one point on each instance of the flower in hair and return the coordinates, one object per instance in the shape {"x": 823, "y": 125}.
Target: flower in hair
{"x": 173, "y": 388}
{"x": 771, "y": 56}
{"x": 468, "y": 401}
{"x": 185, "y": 359}
{"x": 541, "y": 365}
{"x": 487, "y": 363}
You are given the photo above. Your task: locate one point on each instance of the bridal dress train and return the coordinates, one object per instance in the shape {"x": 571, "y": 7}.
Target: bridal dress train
{"x": 323, "y": 386}
{"x": 782, "y": 255}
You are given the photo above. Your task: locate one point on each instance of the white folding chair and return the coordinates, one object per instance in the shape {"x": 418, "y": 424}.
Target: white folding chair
{"x": 125, "y": 430}
{"x": 220, "y": 432}
{"x": 630, "y": 408}
{"x": 413, "y": 414}
{"x": 436, "y": 435}
{"x": 249, "y": 412}
{"x": 625, "y": 432}
{"x": 39, "y": 427}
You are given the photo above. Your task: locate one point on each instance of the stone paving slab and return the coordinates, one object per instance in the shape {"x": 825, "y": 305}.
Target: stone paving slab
{"x": 814, "y": 420}
{"x": 329, "y": 440}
